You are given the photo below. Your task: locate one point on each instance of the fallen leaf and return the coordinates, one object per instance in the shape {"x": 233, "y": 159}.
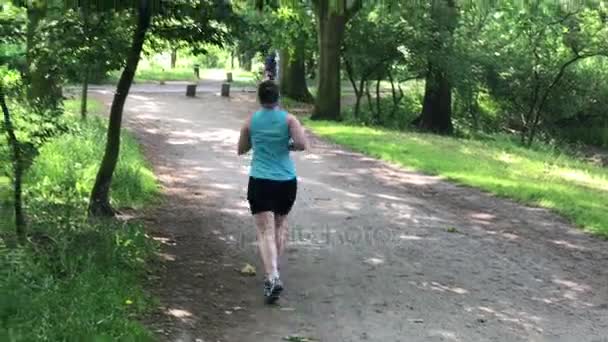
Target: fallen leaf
{"x": 248, "y": 270}
{"x": 452, "y": 230}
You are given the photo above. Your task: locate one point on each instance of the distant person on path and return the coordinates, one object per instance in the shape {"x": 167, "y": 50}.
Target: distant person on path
{"x": 271, "y": 67}
{"x": 272, "y": 133}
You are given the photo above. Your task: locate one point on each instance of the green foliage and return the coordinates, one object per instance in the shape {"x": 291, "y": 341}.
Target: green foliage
{"x": 541, "y": 176}
{"x": 65, "y": 170}
{"x": 399, "y": 117}
{"x": 214, "y": 57}
{"x": 526, "y": 68}
{"x": 291, "y": 26}
{"x": 76, "y": 281}
{"x": 12, "y": 36}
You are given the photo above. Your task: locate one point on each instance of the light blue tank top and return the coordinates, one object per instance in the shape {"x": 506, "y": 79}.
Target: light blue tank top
{"x": 270, "y": 141}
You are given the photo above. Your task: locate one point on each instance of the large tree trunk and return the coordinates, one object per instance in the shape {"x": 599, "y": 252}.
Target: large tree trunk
{"x": 99, "y": 204}
{"x": 17, "y": 169}
{"x": 293, "y": 76}
{"x": 437, "y": 104}
{"x": 330, "y": 27}
{"x": 44, "y": 88}
{"x": 436, "y": 114}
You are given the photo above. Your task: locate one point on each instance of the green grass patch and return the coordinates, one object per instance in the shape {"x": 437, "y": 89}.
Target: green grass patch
{"x": 76, "y": 280}
{"x": 541, "y": 176}
{"x": 148, "y": 75}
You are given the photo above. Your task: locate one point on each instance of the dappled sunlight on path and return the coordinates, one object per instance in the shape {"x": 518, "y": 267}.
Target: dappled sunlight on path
{"x": 376, "y": 253}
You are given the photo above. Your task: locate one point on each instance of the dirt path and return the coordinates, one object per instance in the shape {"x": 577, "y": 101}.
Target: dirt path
{"x": 373, "y": 257}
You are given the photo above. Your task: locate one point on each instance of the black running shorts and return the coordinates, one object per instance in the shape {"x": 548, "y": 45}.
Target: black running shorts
{"x": 271, "y": 195}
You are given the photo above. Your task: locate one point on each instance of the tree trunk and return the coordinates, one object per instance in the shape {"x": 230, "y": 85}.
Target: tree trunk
{"x": 99, "y": 204}
{"x": 85, "y": 93}
{"x": 437, "y": 104}
{"x": 330, "y": 26}
{"x": 173, "y": 58}
{"x": 378, "y": 107}
{"x": 370, "y": 103}
{"x": 86, "y": 62}
{"x": 293, "y": 76}
{"x": 436, "y": 114}
{"x": 20, "y": 224}
{"x": 358, "y": 91}
{"x": 44, "y": 87}
{"x": 396, "y": 99}
{"x": 245, "y": 61}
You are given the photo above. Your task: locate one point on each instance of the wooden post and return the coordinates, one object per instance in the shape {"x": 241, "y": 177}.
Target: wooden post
{"x": 226, "y": 89}
{"x": 191, "y": 90}
{"x": 229, "y": 77}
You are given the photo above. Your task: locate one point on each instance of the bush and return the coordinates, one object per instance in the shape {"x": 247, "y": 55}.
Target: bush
{"x": 407, "y": 110}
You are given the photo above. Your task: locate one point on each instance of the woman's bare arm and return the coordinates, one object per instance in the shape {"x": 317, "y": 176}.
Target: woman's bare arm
{"x": 297, "y": 133}
{"x": 245, "y": 139}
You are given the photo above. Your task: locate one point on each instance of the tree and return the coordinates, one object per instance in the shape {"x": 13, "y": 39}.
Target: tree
{"x": 293, "y": 33}
{"x": 332, "y": 17}
{"x": 530, "y": 61}
{"x": 389, "y": 32}
{"x": 436, "y": 113}
{"x": 99, "y": 204}
{"x": 193, "y": 22}
{"x": 17, "y": 162}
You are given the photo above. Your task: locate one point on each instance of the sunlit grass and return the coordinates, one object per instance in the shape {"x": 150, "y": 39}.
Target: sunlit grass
{"x": 241, "y": 78}
{"x": 156, "y": 74}
{"x": 76, "y": 280}
{"x": 540, "y": 176}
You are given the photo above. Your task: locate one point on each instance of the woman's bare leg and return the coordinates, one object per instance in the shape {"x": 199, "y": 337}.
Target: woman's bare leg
{"x": 282, "y": 233}
{"x": 265, "y": 224}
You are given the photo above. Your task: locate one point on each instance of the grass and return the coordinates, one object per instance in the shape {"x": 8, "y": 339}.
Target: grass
{"x": 240, "y": 78}
{"x": 149, "y": 75}
{"x": 541, "y": 176}
{"x": 77, "y": 280}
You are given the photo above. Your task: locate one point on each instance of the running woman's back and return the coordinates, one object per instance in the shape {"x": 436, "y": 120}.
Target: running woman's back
{"x": 270, "y": 141}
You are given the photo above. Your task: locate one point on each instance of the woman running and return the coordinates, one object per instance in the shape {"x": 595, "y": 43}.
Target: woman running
{"x": 272, "y": 133}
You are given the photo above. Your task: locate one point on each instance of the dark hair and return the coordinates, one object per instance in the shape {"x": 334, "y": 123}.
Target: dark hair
{"x": 268, "y": 93}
